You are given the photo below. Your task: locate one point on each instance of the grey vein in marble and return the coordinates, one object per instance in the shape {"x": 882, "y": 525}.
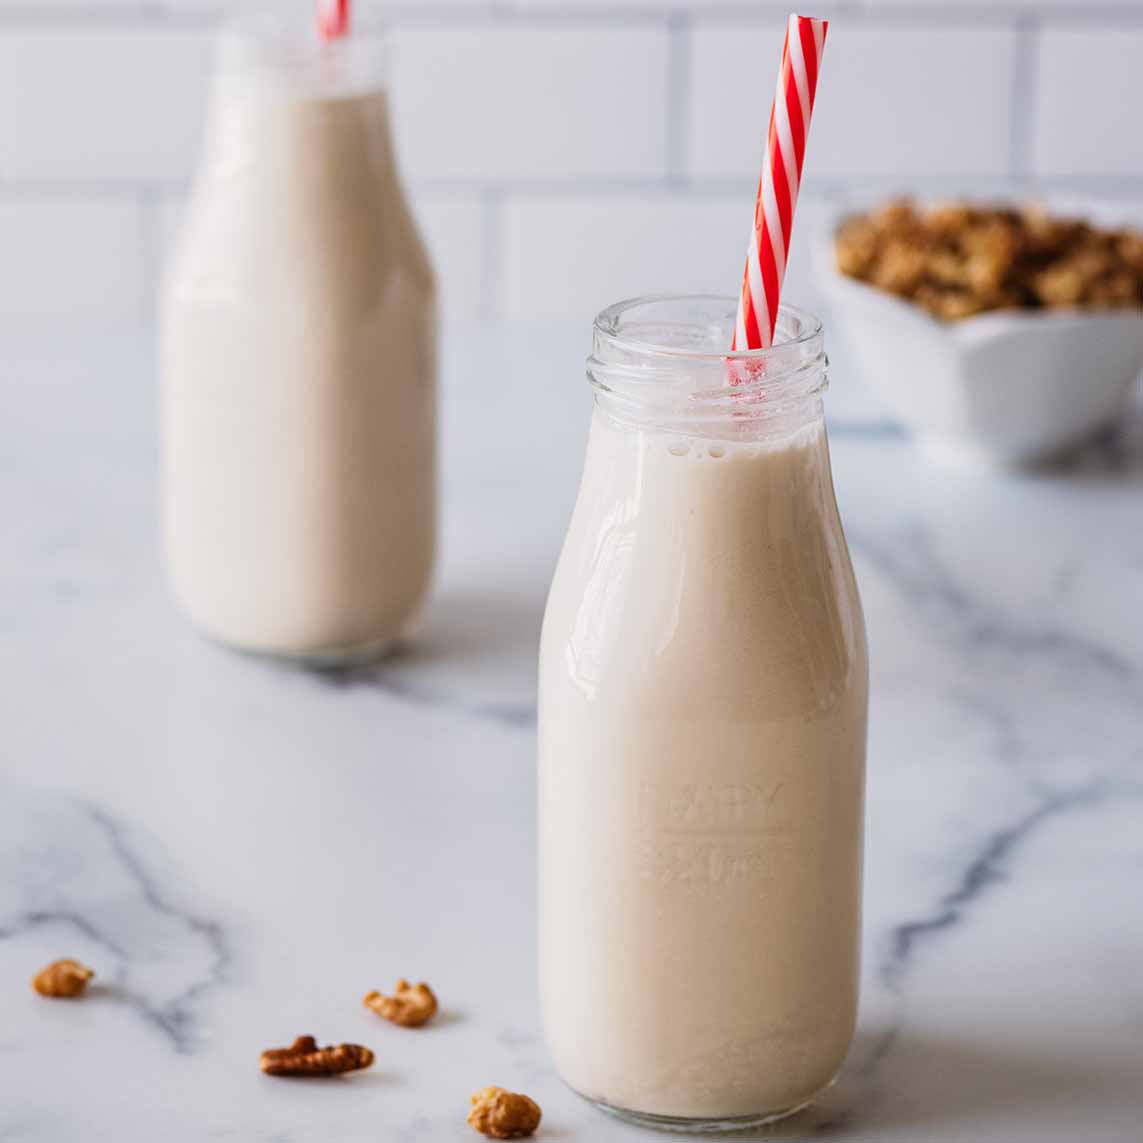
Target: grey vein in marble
{"x": 1001, "y": 995}
{"x": 71, "y": 866}
{"x": 390, "y": 680}
{"x": 986, "y": 867}
{"x": 911, "y": 564}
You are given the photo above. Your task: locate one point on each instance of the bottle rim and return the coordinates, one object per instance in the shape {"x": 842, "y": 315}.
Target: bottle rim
{"x": 288, "y": 55}
{"x": 794, "y": 327}
{"x": 662, "y": 357}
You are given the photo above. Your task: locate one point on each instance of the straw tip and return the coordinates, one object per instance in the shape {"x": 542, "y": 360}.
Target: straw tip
{"x": 333, "y": 19}
{"x": 814, "y": 26}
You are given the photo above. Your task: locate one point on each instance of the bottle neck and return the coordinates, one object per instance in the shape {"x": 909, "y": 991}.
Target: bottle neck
{"x": 292, "y": 104}
{"x": 660, "y": 364}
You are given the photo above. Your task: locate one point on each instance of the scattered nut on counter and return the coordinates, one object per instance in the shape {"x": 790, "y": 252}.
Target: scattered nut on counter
{"x": 959, "y": 259}
{"x": 503, "y": 1114}
{"x": 64, "y": 979}
{"x": 304, "y": 1058}
{"x": 411, "y": 1005}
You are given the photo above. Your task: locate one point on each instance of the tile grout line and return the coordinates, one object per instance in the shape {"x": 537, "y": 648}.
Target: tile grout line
{"x": 61, "y": 191}
{"x": 1023, "y": 98}
{"x": 147, "y": 204}
{"x": 501, "y": 13}
{"x": 491, "y": 256}
{"x": 678, "y": 98}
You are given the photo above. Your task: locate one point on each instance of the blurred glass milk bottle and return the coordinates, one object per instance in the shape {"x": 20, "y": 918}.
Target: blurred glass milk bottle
{"x": 298, "y": 360}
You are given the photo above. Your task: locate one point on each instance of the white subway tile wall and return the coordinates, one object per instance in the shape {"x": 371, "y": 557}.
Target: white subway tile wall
{"x": 896, "y": 101}
{"x": 1089, "y": 87}
{"x": 90, "y": 104}
{"x": 602, "y": 249}
{"x": 69, "y": 257}
{"x": 564, "y": 153}
{"x": 518, "y": 102}
{"x": 614, "y": 247}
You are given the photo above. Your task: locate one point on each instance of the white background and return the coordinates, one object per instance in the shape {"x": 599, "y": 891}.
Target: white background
{"x": 564, "y": 153}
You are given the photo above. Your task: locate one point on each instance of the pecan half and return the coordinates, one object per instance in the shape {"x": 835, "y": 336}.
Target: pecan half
{"x": 64, "y": 979}
{"x": 503, "y": 1114}
{"x": 304, "y": 1058}
{"x": 410, "y": 1005}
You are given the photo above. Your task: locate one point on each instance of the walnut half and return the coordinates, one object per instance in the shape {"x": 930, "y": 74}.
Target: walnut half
{"x": 304, "y": 1058}
{"x": 410, "y": 1005}
{"x": 503, "y": 1114}
{"x": 64, "y": 979}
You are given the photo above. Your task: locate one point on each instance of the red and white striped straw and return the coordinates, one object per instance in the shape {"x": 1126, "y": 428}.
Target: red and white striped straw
{"x": 333, "y": 18}
{"x": 778, "y": 187}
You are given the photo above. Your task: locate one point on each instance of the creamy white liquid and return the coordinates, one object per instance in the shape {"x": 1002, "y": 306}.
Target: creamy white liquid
{"x": 703, "y": 686}
{"x": 298, "y": 370}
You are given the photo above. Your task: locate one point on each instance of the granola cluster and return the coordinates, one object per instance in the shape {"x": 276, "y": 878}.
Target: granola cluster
{"x": 958, "y": 259}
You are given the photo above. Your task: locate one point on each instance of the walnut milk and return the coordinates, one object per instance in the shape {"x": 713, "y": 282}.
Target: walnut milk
{"x": 703, "y": 695}
{"x": 298, "y": 360}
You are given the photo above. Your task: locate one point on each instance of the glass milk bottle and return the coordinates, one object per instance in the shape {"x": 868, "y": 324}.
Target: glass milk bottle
{"x": 703, "y": 693}
{"x": 298, "y": 361}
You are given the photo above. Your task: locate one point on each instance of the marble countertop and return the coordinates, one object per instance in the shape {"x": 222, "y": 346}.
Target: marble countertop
{"x": 242, "y": 850}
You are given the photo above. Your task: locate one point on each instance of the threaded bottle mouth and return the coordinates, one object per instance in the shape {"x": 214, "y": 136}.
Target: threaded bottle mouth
{"x": 664, "y": 360}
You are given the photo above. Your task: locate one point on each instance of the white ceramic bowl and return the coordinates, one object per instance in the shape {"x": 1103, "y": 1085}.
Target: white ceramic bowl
{"x": 1005, "y": 387}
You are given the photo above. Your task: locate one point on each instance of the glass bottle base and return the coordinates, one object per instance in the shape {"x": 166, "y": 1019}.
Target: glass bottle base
{"x": 699, "y": 1126}
{"x": 331, "y": 658}
{"x": 319, "y": 659}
